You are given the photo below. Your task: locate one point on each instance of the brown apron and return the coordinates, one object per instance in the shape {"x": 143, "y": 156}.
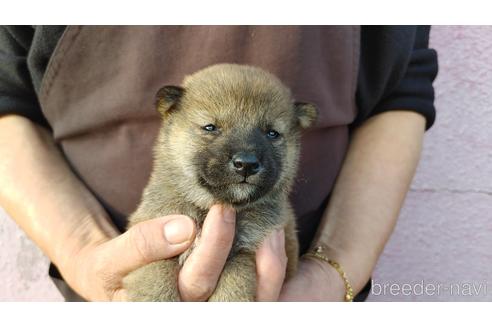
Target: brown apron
{"x": 98, "y": 95}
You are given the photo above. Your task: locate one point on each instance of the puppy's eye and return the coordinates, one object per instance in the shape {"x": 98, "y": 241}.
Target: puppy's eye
{"x": 272, "y": 134}
{"x": 209, "y": 128}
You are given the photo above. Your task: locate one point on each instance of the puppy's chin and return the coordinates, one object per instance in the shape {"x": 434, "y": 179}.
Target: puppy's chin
{"x": 243, "y": 193}
{"x": 236, "y": 194}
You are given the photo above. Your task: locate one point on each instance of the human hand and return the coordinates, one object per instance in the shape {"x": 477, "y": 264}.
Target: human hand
{"x": 315, "y": 281}
{"x": 96, "y": 272}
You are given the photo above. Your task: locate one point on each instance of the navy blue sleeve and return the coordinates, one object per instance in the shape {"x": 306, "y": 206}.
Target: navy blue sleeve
{"x": 17, "y": 94}
{"x": 397, "y": 69}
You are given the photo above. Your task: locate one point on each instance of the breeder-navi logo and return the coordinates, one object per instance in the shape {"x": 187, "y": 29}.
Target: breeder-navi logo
{"x": 429, "y": 289}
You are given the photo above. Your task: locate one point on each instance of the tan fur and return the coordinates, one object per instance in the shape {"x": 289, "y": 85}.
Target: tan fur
{"x": 241, "y": 100}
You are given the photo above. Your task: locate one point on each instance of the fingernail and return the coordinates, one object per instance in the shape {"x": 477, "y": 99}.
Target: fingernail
{"x": 229, "y": 214}
{"x": 179, "y": 230}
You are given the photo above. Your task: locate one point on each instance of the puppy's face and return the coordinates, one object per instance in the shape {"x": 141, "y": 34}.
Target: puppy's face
{"x": 233, "y": 133}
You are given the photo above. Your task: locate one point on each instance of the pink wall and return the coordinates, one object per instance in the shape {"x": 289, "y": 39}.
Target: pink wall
{"x": 444, "y": 234}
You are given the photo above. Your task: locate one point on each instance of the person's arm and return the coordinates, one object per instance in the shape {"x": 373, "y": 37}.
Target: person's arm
{"x": 364, "y": 206}
{"x": 41, "y": 193}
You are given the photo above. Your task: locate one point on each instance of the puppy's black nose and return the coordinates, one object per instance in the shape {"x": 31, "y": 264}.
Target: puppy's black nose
{"x": 246, "y": 164}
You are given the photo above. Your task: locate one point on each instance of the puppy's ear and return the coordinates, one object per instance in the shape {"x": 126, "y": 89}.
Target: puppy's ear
{"x": 306, "y": 114}
{"x": 166, "y": 97}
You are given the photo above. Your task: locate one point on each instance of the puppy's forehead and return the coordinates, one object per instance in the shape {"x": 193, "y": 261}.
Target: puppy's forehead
{"x": 232, "y": 91}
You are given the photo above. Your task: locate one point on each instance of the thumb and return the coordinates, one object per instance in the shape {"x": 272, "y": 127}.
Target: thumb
{"x": 150, "y": 241}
